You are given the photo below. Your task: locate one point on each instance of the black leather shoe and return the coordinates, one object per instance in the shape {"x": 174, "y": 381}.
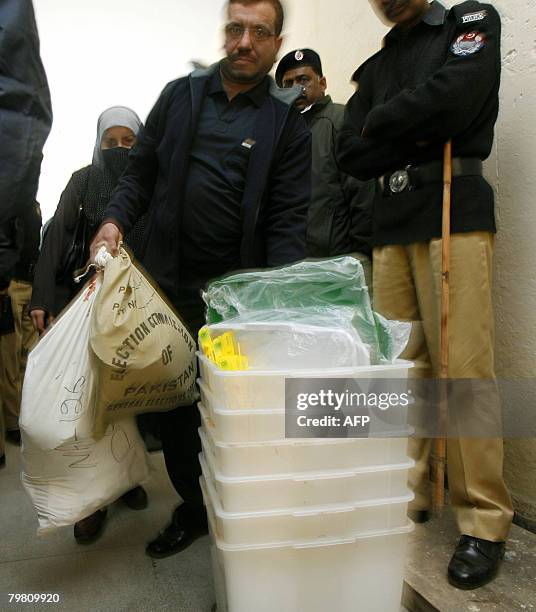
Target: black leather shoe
{"x": 419, "y": 516}
{"x": 88, "y": 530}
{"x": 136, "y": 498}
{"x": 13, "y": 436}
{"x": 176, "y": 537}
{"x": 475, "y": 562}
{"x": 2, "y": 461}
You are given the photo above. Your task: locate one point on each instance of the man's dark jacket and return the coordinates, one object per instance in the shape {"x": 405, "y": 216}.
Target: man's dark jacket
{"x": 340, "y": 212}
{"x": 276, "y": 195}
{"x": 25, "y": 119}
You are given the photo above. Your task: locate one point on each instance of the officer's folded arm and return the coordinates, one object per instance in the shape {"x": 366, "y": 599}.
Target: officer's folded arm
{"x": 358, "y": 155}
{"x": 368, "y": 158}
{"x": 448, "y": 101}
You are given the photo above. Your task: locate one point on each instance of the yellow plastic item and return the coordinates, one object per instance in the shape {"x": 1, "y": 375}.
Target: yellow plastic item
{"x": 225, "y": 345}
{"x": 206, "y": 344}
{"x": 224, "y": 350}
{"x": 233, "y": 363}
{"x": 204, "y": 335}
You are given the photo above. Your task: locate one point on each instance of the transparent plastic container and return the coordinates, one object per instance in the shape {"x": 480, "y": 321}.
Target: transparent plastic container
{"x": 239, "y": 426}
{"x": 277, "y": 492}
{"x": 265, "y": 390}
{"x": 362, "y": 571}
{"x": 296, "y": 345}
{"x": 283, "y": 526}
{"x": 295, "y": 456}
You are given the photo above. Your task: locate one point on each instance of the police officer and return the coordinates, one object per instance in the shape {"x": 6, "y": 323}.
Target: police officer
{"x": 339, "y": 219}
{"x": 437, "y": 78}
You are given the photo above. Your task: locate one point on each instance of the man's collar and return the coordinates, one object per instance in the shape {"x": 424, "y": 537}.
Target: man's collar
{"x": 436, "y": 15}
{"x": 317, "y": 106}
{"x": 257, "y": 94}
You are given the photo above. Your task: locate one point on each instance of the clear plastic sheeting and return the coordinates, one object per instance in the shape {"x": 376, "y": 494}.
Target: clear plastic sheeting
{"x": 328, "y": 294}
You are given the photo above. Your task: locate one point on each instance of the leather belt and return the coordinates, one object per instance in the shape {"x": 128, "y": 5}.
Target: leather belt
{"x": 412, "y": 177}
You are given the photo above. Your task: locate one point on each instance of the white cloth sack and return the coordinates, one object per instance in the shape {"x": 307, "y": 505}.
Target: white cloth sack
{"x": 67, "y": 473}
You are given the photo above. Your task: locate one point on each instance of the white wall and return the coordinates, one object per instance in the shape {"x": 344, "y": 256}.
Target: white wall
{"x": 106, "y": 52}
{"x": 344, "y": 32}
{"x": 515, "y": 282}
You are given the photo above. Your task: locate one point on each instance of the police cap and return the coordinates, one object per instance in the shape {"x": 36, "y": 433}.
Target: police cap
{"x": 298, "y": 57}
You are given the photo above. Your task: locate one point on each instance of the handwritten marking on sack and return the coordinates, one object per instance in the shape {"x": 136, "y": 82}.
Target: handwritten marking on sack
{"x": 120, "y": 444}
{"x": 71, "y": 409}
{"x": 81, "y": 450}
{"x": 138, "y": 335}
{"x": 90, "y": 290}
{"x": 132, "y": 288}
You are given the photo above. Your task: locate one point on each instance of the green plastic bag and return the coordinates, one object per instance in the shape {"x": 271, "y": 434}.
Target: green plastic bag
{"x": 323, "y": 292}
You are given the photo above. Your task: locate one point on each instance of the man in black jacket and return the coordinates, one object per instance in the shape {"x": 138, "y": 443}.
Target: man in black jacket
{"x": 223, "y": 166}
{"x": 25, "y": 120}
{"x": 339, "y": 220}
{"x": 437, "y": 78}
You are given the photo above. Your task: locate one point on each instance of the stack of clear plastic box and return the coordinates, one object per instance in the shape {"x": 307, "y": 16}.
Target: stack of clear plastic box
{"x": 298, "y": 524}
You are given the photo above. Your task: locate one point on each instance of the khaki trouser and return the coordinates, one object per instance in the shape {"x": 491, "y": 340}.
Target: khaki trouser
{"x": 407, "y": 286}
{"x": 14, "y": 349}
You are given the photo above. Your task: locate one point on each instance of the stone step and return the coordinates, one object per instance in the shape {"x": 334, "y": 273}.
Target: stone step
{"x": 427, "y": 590}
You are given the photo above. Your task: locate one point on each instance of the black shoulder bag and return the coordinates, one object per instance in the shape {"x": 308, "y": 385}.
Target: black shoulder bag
{"x": 76, "y": 255}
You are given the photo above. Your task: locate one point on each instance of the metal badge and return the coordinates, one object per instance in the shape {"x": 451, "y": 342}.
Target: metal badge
{"x": 249, "y": 143}
{"x": 298, "y": 56}
{"x": 399, "y": 181}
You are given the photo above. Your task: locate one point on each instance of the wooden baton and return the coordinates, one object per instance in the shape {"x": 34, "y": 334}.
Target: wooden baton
{"x": 441, "y": 441}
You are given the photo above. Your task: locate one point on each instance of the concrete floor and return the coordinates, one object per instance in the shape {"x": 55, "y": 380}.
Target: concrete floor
{"x": 114, "y": 574}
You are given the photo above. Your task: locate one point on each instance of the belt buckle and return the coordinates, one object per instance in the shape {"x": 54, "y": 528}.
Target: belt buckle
{"x": 399, "y": 181}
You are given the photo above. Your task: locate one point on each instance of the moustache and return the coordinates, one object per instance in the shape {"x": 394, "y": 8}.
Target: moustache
{"x": 240, "y": 55}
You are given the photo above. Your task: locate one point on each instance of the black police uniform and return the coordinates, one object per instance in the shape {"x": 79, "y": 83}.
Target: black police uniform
{"x": 436, "y": 81}
{"x": 421, "y": 89}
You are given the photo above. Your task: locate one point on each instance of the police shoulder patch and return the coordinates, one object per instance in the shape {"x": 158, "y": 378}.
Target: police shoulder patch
{"x": 468, "y": 43}
{"x": 471, "y": 17}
